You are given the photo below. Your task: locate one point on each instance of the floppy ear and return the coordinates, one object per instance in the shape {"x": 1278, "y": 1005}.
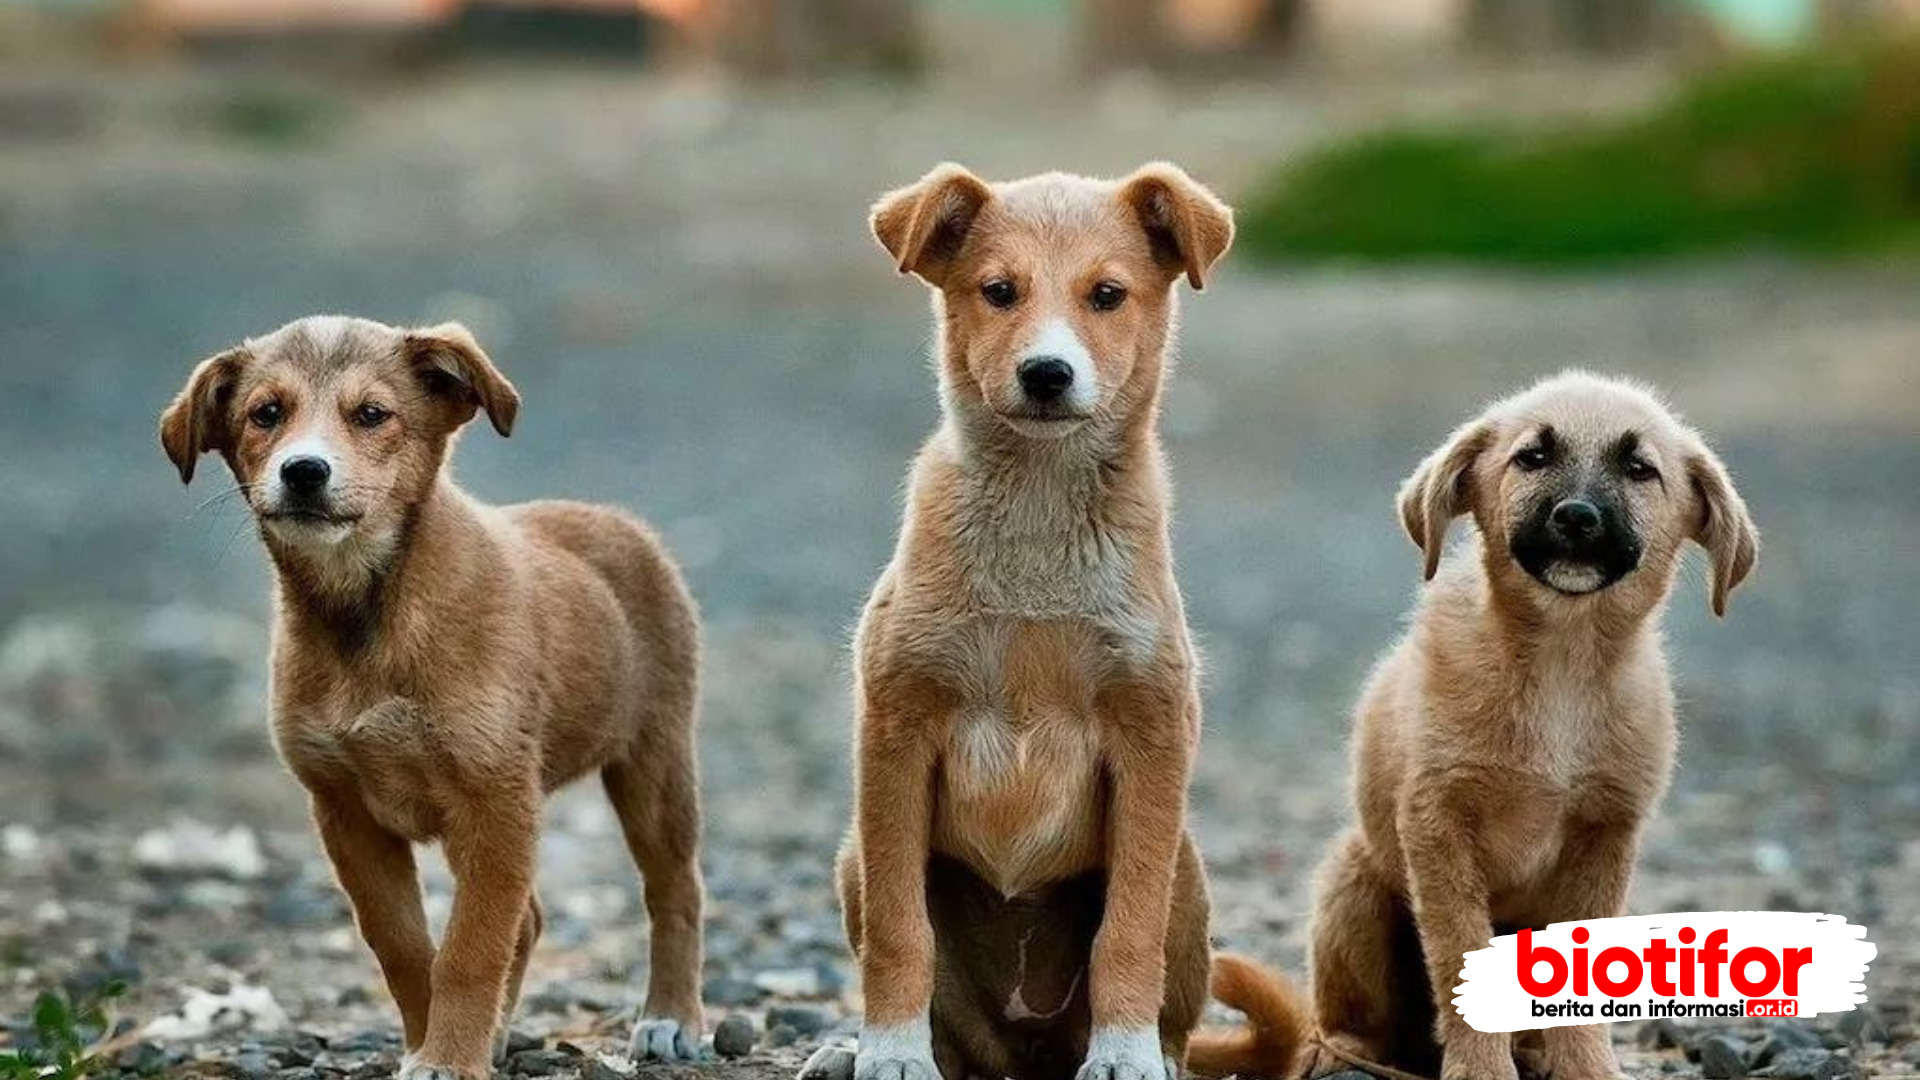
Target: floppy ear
{"x": 454, "y": 365}
{"x": 1724, "y": 528}
{"x": 1188, "y": 226}
{"x": 195, "y": 423}
{"x": 1437, "y": 492}
{"x": 923, "y": 224}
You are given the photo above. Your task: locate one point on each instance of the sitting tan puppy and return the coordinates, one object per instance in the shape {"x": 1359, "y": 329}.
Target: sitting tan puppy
{"x": 1019, "y": 883}
{"x": 440, "y": 665}
{"x": 1509, "y": 749}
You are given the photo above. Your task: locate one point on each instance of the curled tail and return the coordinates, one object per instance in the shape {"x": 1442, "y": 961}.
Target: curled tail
{"x": 1277, "y": 1023}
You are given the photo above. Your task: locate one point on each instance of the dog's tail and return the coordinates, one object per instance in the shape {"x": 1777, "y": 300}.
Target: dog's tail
{"x": 1277, "y": 1025}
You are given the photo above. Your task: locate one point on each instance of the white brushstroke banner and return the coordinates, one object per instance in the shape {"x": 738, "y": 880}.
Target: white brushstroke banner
{"x": 1703, "y": 963}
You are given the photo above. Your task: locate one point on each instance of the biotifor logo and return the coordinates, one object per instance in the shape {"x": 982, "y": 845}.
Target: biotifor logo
{"x": 1725, "y": 963}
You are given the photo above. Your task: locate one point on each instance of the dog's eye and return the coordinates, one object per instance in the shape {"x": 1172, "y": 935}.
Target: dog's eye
{"x": 1107, "y": 295}
{"x": 1000, "y": 292}
{"x": 1534, "y": 457}
{"x": 1638, "y": 470}
{"x": 370, "y": 415}
{"x": 266, "y": 415}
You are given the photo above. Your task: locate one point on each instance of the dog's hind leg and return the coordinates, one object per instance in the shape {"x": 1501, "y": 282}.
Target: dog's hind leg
{"x": 531, "y": 926}
{"x": 1362, "y": 931}
{"x": 655, "y": 793}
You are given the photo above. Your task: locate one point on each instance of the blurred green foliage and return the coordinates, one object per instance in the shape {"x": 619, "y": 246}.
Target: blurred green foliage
{"x": 1819, "y": 151}
{"x": 276, "y": 116}
{"x": 65, "y": 1030}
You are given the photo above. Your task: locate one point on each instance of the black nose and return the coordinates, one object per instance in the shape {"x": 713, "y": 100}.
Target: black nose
{"x": 305, "y": 475}
{"x": 1576, "y": 519}
{"x": 1045, "y": 378}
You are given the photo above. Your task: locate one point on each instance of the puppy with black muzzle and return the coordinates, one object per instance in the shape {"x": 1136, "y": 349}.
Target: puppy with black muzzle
{"x": 1508, "y": 750}
{"x": 440, "y": 665}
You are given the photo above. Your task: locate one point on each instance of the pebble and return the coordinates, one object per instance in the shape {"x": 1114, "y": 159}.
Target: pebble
{"x": 734, "y": 1037}
{"x": 538, "y": 1062}
{"x": 805, "y": 1020}
{"x": 518, "y": 1040}
{"x": 789, "y": 982}
{"x": 1863, "y": 1025}
{"x": 1722, "y": 1057}
{"x": 599, "y": 1068}
{"x": 1810, "y": 1064}
{"x": 253, "y": 1065}
{"x": 187, "y": 846}
{"x": 832, "y": 1062}
{"x": 781, "y": 1035}
{"x": 1783, "y": 1036}
{"x": 732, "y": 993}
{"x": 1660, "y": 1034}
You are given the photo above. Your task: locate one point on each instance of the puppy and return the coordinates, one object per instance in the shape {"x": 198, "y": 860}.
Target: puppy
{"x": 1508, "y": 749}
{"x": 440, "y": 665}
{"x": 1019, "y": 884}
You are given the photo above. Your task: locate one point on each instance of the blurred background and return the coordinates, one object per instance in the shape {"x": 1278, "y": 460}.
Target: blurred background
{"x": 653, "y": 216}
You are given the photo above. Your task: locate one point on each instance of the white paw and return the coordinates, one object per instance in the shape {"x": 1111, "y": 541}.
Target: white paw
{"x": 896, "y": 1052}
{"x": 833, "y": 1061}
{"x": 660, "y": 1039}
{"x": 1116, "y": 1053}
{"x": 410, "y": 1069}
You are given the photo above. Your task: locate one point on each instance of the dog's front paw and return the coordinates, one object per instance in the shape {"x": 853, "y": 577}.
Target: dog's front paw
{"x": 657, "y": 1038}
{"x": 896, "y": 1052}
{"x": 833, "y": 1061}
{"x": 1479, "y": 1056}
{"x": 412, "y": 1068}
{"x": 1116, "y": 1053}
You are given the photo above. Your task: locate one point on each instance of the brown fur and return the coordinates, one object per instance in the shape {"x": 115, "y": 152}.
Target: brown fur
{"x": 1508, "y": 750}
{"x": 440, "y": 665}
{"x": 1019, "y": 866}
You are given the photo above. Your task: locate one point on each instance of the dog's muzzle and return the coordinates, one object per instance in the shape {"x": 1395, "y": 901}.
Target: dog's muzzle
{"x": 1577, "y": 545}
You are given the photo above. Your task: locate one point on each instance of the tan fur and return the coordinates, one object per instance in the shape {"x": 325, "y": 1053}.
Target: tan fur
{"x": 440, "y": 665}
{"x": 1508, "y": 750}
{"x": 1026, "y": 687}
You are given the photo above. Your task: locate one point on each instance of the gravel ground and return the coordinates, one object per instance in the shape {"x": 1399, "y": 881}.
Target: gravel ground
{"x": 677, "y": 278}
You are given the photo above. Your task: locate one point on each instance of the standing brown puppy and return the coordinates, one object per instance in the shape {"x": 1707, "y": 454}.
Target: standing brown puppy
{"x": 440, "y": 665}
{"x": 1019, "y": 883}
{"x": 1509, "y": 749}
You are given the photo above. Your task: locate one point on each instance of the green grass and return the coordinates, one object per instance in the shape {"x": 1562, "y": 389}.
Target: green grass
{"x": 1818, "y": 152}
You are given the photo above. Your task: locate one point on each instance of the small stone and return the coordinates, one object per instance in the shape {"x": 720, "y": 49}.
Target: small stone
{"x": 518, "y": 1040}
{"x": 734, "y": 1037}
{"x": 1660, "y": 1034}
{"x": 789, "y": 982}
{"x": 538, "y": 1062}
{"x": 369, "y": 1041}
{"x": 599, "y": 1068}
{"x": 1783, "y": 1036}
{"x": 732, "y": 993}
{"x": 1805, "y": 1063}
{"x": 803, "y": 1019}
{"x": 252, "y": 1065}
{"x": 831, "y": 1062}
{"x": 782, "y": 1035}
{"x": 1722, "y": 1057}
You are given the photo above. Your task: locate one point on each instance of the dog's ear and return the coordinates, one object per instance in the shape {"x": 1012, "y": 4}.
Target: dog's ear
{"x": 1188, "y": 226}
{"x": 1437, "y": 492}
{"x": 1724, "y": 528}
{"x": 196, "y": 422}
{"x": 454, "y": 366}
{"x": 923, "y": 224}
